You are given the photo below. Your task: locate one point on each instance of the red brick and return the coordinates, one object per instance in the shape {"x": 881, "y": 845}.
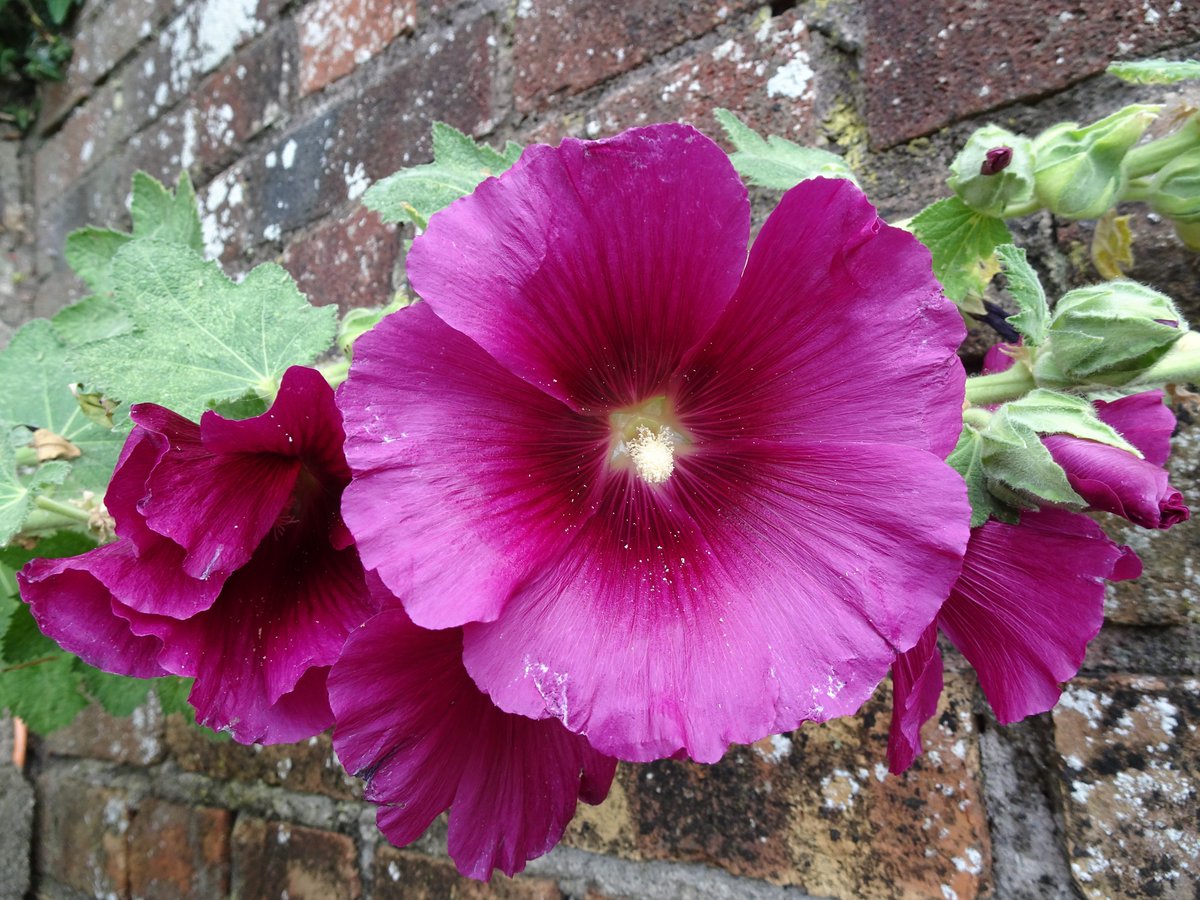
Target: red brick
{"x": 277, "y": 859}
{"x": 337, "y": 35}
{"x": 562, "y": 47}
{"x": 89, "y": 134}
{"x": 1130, "y": 760}
{"x": 348, "y": 261}
{"x": 816, "y": 809}
{"x": 135, "y": 739}
{"x": 208, "y": 131}
{"x": 178, "y": 851}
{"x": 929, "y": 64}
{"x": 308, "y": 766}
{"x": 330, "y": 159}
{"x": 762, "y": 73}
{"x": 106, "y": 34}
{"x": 81, "y": 833}
{"x": 401, "y": 875}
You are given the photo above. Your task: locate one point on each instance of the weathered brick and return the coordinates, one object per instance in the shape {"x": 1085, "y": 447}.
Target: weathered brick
{"x": 816, "y": 809}
{"x": 562, "y": 47}
{"x": 335, "y": 36}
{"x": 762, "y": 72}
{"x": 308, "y": 766}
{"x": 208, "y": 131}
{"x": 278, "y": 859}
{"x": 135, "y": 739}
{"x": 332, "y": 158}
{"x": 402, "y": 875}
{"x": 348, "y": 261}
{"x": 195, "y": 43}
{"x": 178, "y": 851}
{"x": 89, "y": 134}
{"x": 929, "y": 64}
{"x": 1129, "y": 751}
{"x": 106, "y": 34}
{"x": 81, "y": 835}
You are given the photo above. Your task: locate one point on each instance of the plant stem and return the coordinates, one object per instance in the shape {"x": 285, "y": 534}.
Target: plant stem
{"x": 335, "y": 372}
{"x": 1149, "y": 158}
{"x": 72, "y": 513}
{"x": 984, "y": 390}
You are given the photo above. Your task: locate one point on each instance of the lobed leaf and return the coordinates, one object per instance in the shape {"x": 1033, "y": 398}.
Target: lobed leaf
{"x": 199, "y": 338}
{"x": 963, "y": 245}
{"x": 1034, "y": 318}
{"x": 774, "y": 162}
{"x": 1156, "y": 71}
{"x": 37, "y": 359}
{"x": 459, "y": 165}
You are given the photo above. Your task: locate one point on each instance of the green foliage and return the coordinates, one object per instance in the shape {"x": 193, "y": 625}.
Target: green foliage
{"x": 19, "y": 490}
{"x": 1007, "y": 467}
{"x": 963, "y": 244}
{"x": 1156, "y": 71}
{"x": 32, "y": 50}
{"x": 1111, "y": 332}
{"x": 1026, "y": 289}
{"x": 198, "y": 338}
{"x": 774, "y": 162}
{"x": 459, "y": 165}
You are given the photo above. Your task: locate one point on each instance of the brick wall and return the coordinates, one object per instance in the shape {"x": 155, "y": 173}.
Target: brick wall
{"x": 285, "y": 110}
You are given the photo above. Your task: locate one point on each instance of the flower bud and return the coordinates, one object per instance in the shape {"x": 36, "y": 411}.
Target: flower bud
{"x": 993, "y": 171}
{"x": 1077, "y": 173}
{"x": 1175, "y": 190}
{"x": 1111, "y": 332}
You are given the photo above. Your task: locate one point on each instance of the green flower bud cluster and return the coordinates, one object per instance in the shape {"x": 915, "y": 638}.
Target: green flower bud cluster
{"x": 1081, "y": 172}
{"x": 1109, "y": 333}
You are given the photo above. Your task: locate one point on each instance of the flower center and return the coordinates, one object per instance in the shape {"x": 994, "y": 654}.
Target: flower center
{"x": 646, "y": 437}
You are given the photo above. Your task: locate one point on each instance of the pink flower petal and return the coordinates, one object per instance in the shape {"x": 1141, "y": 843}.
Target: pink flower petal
{"x": 1143, "y": 420}
{"x": 465, "y": 473}
{"x": 74, "y": 608}
{"x": 1113, "y": 480}
{"x": 916, "y": 687}
{"x": 280, "y": 619}
{"x": 755, "y": 590}
{"x": 1030, "y": 598}
{"x": 797, "y": 350}
{"x": 550, "y": 268}
{"x": 411, "y": 721}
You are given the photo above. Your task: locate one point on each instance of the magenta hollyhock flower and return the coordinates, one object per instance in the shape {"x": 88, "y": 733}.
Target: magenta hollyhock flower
{"x": 1028, "y": 601}
{"x": 672, "y": 496}
{"x": 412, "y": 722}
{"x": 1111, "y": 479}
{"x": 233, "y": 565}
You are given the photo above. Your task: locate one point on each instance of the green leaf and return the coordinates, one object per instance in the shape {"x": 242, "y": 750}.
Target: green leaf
{"x": 59, "y": 10}
{"x": 1156, "y": 71}
{"x": 459, "y": 165}
{"x": 172, "y": 696}
{"x": 1051, "y": 412}
{"x": 44, "y": 693}
{"x": 120, "y": 695}
{"x": 90, "y": 252}
{"x": 23, "y": 641}
{"x": 963, "y": 244}
{"x": 159, "y": 214}
{"x": 93, "y": 318}
{"x": 775, "y": 162}
{"x": 17, "y": 494}
{"x": 36, "y": 361}
{"x": 967, "y": 460}
{"x": 199, "y": 338}
{"x": 1034, "y": 317}
{"x": 52, "y": 546}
